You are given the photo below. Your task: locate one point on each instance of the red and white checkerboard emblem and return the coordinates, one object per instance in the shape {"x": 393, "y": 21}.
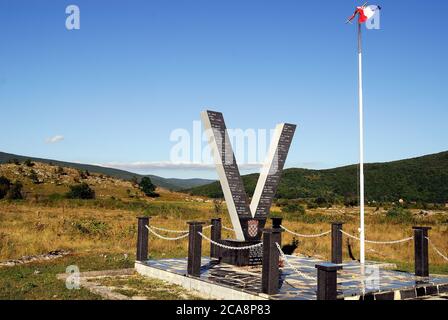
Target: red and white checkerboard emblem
{"x": 252, "y": 228}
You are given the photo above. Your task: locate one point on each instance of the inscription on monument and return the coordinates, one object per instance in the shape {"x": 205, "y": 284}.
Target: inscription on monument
{"x": 247, "y": 219}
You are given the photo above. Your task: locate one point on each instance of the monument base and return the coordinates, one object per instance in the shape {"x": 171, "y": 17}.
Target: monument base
{"x": 241, "y": 258}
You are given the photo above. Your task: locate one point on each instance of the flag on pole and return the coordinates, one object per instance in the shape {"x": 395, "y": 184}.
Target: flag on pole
{"x": 364, "y": 13}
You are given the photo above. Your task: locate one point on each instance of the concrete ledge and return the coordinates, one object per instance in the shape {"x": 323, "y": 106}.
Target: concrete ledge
{"x": 205, "y": 289}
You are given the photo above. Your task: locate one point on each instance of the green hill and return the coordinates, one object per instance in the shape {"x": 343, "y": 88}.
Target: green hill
{"x": 171, "y": 184}
{"x": 422, "y": 179}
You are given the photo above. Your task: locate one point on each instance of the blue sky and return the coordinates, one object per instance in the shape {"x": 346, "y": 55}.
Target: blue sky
{"x": 136, "y": 70}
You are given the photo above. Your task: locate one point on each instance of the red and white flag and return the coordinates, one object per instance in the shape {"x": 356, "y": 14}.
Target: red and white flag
{"x": 364, "y": 12}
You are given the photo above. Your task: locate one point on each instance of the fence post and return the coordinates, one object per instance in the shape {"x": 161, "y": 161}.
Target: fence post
{"x": 194, "y": 248}
{"x": 142, "y": 239}
{"x": 336, "y": 242}
{"x": 270, "y": 276}
{"x": 215, "y": 236}
{"x": 421, "y": 251}
{"x": 277, "y": 224}
{"x": 327, "y": 281}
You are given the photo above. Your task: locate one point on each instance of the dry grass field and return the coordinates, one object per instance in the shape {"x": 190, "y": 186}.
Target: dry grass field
{"x": 91, "y": 226}
{"x": 101, "y": 233}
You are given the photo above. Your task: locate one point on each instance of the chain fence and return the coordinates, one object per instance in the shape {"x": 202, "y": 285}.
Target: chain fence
{"x": 306, "y": 235}
{"x": 165, "y": 238}
{"x": 229, "y": 247}
{"x": 168, "y": 230}
{"x": 176, "y": 231}
{"x": 377, "y": 242}
{"x": 290, "y": 266}
{"x": 437, "y": 250}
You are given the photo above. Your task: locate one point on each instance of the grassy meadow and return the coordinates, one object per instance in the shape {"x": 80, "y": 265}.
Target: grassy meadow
{"x": 101, "y": 233}
{"x": 109, "y": 227}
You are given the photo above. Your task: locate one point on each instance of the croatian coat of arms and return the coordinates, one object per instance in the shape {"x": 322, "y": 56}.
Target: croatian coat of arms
{"x": 252, "y": 228}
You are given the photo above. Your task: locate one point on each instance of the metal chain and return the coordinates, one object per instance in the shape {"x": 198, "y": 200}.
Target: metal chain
{"x": 226, "y": 228}
{"x": 228, "y": 247}
{"x": 165, "y": 238}
{"x": 306, "y": 235}
{"x": 436, "y": 250}
{"x": 300, "y": 273}
{"x": 378, "y": 242}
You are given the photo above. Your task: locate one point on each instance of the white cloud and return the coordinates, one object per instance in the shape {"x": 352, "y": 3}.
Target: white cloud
{"x": 55, "y": 139}
{"x": 171, "y": 165}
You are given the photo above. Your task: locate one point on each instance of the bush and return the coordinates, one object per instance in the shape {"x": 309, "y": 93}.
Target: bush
{"x": 91, "y": 227}
{"x": 34, "y": 177}
{"x": 399, "y": 213}
{"x": 293, "y": 208}
{"x": 311, "y": 205}
{"x": 29, "y": 163}
{"x": 81, "y": 191}
{"x": 15, "y": 191}
{"x": 14, "y": 161}
{"x": 148, "y": 187}
{"x": 5, "y": 184}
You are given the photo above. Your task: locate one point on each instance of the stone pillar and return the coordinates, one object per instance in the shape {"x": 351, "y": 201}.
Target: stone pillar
{"x": 142, "y": 239}
{"x": 327, "y": 281}
{"x": 421, "y": 251}
{"x": 215, "y": 236}
{"x": 277, "y": 224}
{"x": 194, "y": 248}
{"x": 270, "y": 276}
{"x": 336, "y": 242}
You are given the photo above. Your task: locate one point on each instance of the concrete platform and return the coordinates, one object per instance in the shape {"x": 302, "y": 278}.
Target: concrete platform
{"x": 373, "y": 281}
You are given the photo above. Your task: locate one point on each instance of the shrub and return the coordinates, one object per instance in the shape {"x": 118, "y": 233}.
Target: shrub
{"x": 29, "y": 163}
{"x": 311, "y": 205}
{"x": 60, "y": 171}
{"x": 399, "y": 213}
{"x": 91, "y": 227}
{"x": 56, "y": 197}
{"x": 81, "y": 191}
{"x": 33, "y": 176}
{"x": 5, "y": 184}
{"x": 14, "y": 161}
{"x": 293, "y": 208}
{"x": 15, "y": 191}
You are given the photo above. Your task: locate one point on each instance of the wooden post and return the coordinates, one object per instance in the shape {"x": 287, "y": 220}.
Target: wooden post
{"x": 421, "y": 251}
{"x": 142, "y": 239}
{"x": 270, "y": 276}
{"x": 327, "y": 281}
{"x": 336, "y": 242}
{"x": 216, "y": 235}
{"x": 194, "y": 248}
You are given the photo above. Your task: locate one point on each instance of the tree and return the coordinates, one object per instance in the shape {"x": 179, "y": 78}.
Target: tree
{"x": 81, "y": 191}
{"x": 148, "y": 187}
{"x": 5, "y": 184}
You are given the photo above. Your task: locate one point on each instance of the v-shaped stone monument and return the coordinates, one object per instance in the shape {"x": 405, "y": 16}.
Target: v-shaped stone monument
{"x": 248, "y": 220}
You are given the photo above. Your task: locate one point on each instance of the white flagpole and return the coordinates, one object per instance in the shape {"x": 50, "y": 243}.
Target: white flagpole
{"x": 361, "y": 150}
